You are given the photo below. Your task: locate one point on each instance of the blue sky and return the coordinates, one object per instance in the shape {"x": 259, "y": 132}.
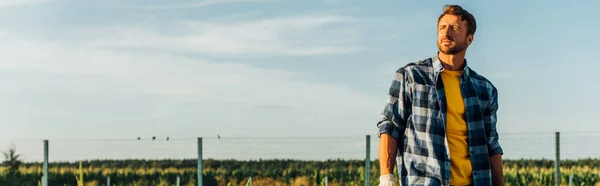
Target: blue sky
{"x": 123, "y": 69}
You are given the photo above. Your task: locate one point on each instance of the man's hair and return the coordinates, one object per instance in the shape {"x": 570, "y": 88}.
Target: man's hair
{"x": 462, "y": 15}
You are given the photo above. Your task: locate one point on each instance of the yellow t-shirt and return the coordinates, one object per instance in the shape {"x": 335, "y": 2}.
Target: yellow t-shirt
{"x": 456, "y": 130}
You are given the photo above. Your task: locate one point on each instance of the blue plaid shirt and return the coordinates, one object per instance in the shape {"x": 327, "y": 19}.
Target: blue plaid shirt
{"x": 415, "y": 116}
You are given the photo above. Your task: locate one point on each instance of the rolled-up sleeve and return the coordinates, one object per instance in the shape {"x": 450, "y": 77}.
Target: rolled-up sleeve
{"x": 396, "y": 110}
{"x": 490, "y": 118}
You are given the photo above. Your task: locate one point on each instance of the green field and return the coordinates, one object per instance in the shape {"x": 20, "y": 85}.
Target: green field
{"x": 270, "y": 172}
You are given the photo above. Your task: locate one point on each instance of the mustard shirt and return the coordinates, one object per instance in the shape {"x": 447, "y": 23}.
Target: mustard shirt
{"x": 456, "y": 130}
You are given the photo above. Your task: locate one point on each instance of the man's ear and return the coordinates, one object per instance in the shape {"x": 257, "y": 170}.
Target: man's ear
{"x": 469, "y": 39}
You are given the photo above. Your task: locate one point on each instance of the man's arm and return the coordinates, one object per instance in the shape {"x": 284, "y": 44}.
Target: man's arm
{"x": 495, "y": 150}
{"x": 497, "y": 171}
{"x": 391, "y": 127}
{"x": 387, "y": 154}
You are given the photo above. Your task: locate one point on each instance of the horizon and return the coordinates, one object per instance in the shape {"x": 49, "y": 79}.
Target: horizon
{"x": 529, "y": 146}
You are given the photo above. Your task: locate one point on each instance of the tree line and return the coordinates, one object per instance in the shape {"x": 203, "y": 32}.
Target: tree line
{"x": 232, "y": 164}
{"x": 236, "y": 172}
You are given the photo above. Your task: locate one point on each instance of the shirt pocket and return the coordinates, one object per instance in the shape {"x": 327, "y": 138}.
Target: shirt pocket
{"x": 424, "y": 100}
{"x": 423, "y": 167}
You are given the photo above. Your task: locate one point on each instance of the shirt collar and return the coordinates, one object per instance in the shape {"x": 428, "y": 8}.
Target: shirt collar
{"x": 438, "y": 67}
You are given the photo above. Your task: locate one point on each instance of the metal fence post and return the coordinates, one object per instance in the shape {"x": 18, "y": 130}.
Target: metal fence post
{"x": 199, "y": 162}
{"x": 45, "y": 176}
{"x": 368, "y": 162}
{"x": 557, "y": 163}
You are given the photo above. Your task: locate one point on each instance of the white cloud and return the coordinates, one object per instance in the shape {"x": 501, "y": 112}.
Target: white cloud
{"x": 198, "y": 4}
{"x": 14, "y": 3}
{"x": 299, "y": 35}
{"x": 90, "y": 91}
{"x": 122, "y": 81}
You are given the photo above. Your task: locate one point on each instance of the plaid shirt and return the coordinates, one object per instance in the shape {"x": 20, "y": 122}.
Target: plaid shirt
{"x": 415, "y": 116}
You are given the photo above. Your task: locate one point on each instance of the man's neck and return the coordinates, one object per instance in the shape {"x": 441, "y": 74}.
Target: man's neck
{"x": 453, "y": 62}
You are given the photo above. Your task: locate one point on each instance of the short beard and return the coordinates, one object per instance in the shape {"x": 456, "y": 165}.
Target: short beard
{"x": 459, "y": 47}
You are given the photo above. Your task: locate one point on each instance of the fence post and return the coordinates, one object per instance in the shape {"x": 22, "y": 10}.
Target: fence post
{"x": 199, "y": 162}
{"x": 45, "y": 176}
{"x": 178, "y": 181}
{"x": 557, "y": 163}
{"x": 108, "y": 181}
{"x": 325, "y": 181}
{"x": 368, "y": 162}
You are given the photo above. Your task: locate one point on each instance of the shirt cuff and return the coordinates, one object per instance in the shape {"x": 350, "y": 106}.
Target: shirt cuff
{"x": 390, "y": 129}
{"x": 496, "y": 151}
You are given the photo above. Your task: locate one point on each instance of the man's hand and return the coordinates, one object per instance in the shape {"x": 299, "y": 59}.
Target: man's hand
{"x": 386, "y": 180}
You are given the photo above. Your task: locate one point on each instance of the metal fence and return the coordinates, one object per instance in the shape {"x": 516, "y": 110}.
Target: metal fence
{"x": 553, "y": 146}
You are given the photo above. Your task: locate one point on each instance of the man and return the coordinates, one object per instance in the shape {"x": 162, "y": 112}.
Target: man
{"x": 439, "y": 125}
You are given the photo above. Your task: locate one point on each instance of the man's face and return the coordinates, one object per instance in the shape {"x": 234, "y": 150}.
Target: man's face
{"x": 452, "y": 35}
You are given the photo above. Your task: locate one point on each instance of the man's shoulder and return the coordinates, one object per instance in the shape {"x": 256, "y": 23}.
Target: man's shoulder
{"x": 481, "y": 80}
{"x": 423, "y": 65}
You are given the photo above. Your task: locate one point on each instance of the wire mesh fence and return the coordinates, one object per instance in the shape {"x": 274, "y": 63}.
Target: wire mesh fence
{"x": 529, "y": 158}
{"x": 298, "y": 148}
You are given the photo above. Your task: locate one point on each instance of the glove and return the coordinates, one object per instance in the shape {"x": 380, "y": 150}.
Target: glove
{"x": 386, "y": 180}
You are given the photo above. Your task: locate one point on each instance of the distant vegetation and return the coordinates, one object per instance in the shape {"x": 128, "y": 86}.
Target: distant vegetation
{"x": 269, "y": 172}
{"x": 263, "y": 172}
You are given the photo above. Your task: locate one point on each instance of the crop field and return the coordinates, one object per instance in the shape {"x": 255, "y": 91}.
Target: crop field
{"x": 270, "y": 172}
